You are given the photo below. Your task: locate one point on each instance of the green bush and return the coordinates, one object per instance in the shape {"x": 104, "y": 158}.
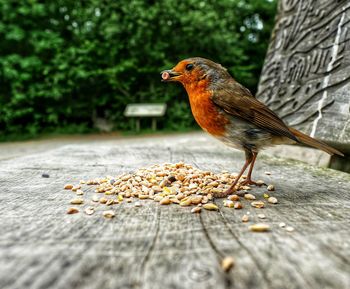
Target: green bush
{"x": 63, "y": 62}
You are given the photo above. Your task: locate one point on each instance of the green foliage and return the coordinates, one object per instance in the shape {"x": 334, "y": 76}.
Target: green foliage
{"x": 64, "y": 62}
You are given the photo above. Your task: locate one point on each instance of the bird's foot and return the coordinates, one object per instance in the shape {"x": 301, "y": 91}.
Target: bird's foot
{"x": 249, "y": 182}
{"x": 224, "y": 194}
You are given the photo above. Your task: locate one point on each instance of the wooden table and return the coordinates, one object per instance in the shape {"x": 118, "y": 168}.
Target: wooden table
{"x": 156, "y": 246}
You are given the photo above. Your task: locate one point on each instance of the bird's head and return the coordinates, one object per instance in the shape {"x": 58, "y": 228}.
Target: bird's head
{"x": 192, "y": 71}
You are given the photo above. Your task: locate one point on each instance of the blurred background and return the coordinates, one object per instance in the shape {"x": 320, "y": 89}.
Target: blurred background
{"x": 71, "y": 67}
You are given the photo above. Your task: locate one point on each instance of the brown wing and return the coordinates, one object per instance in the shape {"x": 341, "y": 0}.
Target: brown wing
{"x": 237, "y": 100}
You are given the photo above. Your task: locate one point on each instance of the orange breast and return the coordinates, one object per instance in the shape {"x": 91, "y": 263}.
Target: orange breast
{"x": 204, "y": 111}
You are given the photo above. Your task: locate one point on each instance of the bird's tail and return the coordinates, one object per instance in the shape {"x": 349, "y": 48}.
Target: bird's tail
{"x": 308, "y": 140}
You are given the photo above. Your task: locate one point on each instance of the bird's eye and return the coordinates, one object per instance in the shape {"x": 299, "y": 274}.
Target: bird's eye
{"x": 189, "y": 66}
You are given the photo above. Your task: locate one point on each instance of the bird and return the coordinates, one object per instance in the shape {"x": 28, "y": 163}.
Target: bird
{"x": 228, "y": 111}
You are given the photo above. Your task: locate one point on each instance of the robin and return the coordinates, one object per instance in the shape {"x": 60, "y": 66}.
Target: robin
{"x": 229, "y": 112}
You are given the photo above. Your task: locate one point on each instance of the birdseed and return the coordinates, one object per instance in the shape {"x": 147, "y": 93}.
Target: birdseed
{"x": 79, "y": 192}
{"x": 257, "y": 204}
{"x": 245, "y": 218}
{"x": 272, "y": 200}
{"x": 89, "y": 210}
{"x": 238, "y": 206}
{"x": 210, "y": 206}
{"x": 77, "y": 201}
{"x": 259, "y": 227}
{"x": 165, "y": 201}
{"x": 72, "y": 210}
{"x": 227, "y": 263}
{"x": 228, "y": 203}
{"x": 196, "y": 210}
{"x": 168, "y": 184}
{"x": 233, "y": 197}
{"x": 270, "y": 187}
{"x": 108, "y": 214}
{"x": 289, "y": 229}
{"x": 260, "y": 182}
{"x": 249, "y": 197}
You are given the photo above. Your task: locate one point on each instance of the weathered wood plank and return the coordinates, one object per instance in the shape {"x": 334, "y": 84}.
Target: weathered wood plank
{"x": 166, "y": 246}
{"x": 305, "y": 78}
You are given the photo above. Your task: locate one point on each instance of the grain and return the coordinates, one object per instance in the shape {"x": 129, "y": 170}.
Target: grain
{"x": 270, "y": 187}
{"x": 165, "y": 201}
{"x": 210, "y": 206}
{"x": 245, "y": 218}
{"x": 257, "y": 204}
{"x": 196, "y": 210}
{"x": 261, "y": 216}
{"x": 260, "y": 227}
{"x": 260, "y": 182}
{"x": 249, "y": 197}
{"x": 185, "y": 202}
{"x": 75, "y": 188}
{"x": 289, "y": 229}
{"x": 179, "y": 184}
{"x": 77, "y": 201}
{"x": 108, "y": 214}
{"x": 197, "y": 199}
{"x": 72, "y": 210}
{"x": 103, "y": 200}
{"x": 238, "y": 206}
{"x": 89, "y": 210}
{"x": 227, "y": 263}
{"x": 228, "y": 203}
{"x": 233, "y": 198}
{"x": 272, "y": 200}
{"x": 109, "y": 202}
{"x": 79, "y": 192}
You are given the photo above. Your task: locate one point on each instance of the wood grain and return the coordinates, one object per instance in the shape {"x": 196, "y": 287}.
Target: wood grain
{"x": 305, "y": 78}
{"x": 157, "y": 246}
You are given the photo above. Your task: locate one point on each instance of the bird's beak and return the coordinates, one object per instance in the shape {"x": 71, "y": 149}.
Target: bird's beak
{"x": 169, "y": 75}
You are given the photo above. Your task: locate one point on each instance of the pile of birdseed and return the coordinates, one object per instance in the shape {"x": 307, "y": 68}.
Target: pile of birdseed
{"x": 179, "y": 184}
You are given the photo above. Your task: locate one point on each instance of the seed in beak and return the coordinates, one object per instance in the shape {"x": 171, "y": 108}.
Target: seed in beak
{"x": 165, "y": 75}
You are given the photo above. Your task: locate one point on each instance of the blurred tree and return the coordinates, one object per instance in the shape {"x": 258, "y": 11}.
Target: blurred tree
{"x": 63, "y": 62}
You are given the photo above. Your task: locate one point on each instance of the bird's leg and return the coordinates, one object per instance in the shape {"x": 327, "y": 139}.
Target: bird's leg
{"x": 248, "y": 180}
{"x": 231, "y": 189}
